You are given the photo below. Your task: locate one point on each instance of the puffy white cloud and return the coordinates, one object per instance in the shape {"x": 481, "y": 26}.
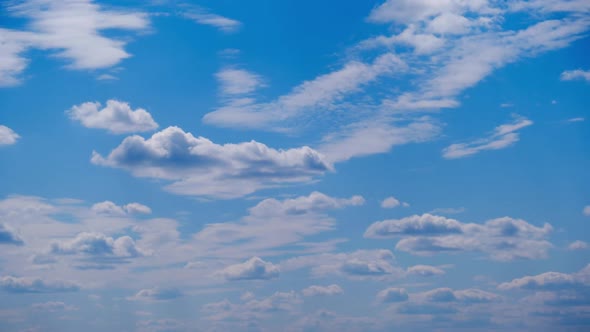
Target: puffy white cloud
{"x": 111, "y": 209}
{"x": 315, "y": 202}
{"x": 392, "y": 294}
{"x": 156, "y": 294}
{"x": 316, "y": 290}
{"x": 238, "y": 81}
{"x": 252, "y": 269}
{"x": 578, "y": 74}
{"x": 35, "y": 285}
{"x": 7, "y": 135}
{"x": 9, "y": 236}
{"x": 409, "y": 11}
{"x": 97, "y": 245}
{"x": 391, "y": 202}
{"x": 117, "y": 117}
{"x": 202, "y": 168}
{"x": 424, "y": 270}
{"x": 578, "y": 245}
{"x": 502, "y": 239}
{"x": 72, "y": 29}
{"x": 502, "y": 137}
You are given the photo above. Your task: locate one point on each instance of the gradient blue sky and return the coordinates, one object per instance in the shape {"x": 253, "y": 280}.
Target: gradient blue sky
{"x": 407, "y": 165}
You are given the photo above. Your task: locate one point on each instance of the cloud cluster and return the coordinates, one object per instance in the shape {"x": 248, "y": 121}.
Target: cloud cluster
{"x": 116, "y": 117}
{"x": 202, "y": 168}
{"x": 501, "y": 239}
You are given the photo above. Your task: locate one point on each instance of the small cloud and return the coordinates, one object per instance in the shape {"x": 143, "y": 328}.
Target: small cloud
{"x": 35, "y": 285}
{"x": 7, "y": 136}
{"x": 222, "y": 23}
{"x": 506, "y": 105}
{"x": 107, "y": 77}
{"x": 578, "y": 245}
{"x": 389, "y": 295}
{"x": 586, "y": 210}
{"x": 578, "y": 74}
{"x": 116, "y": 117}
{"x": 579, "y": 119}
{"x": 554, "y": 102}
{"x": 448, "y": 210}
{"x": 252, "y": 269}
{"x": 392, "y": 202}
{"x": 322, "y": 290}
{"x": 156, "y": 294}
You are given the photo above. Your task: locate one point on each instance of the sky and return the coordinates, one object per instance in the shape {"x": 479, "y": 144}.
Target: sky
{"x": 382, "y": 165}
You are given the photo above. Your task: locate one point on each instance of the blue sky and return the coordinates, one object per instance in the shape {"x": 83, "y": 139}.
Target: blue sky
{"x": 294, "y": 165}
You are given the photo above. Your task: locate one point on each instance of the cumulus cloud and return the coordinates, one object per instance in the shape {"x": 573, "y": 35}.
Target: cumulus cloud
{"x": 578, "y": 245}
{"x": 549, "y": 281}
{"x": 9, "y": 236}
{"x": 392, "y": 202}
{"x": 578, "y": 74}
{"x": 7, "y": 135}
{"x": 392, "y": 294}
{"x": 471, "y": 295}
{"x": 98, "y": 248}
{"x": 111, "y": 209}
{"x": 252, "y": 269}
{"x": 70, "y": 29}
{"x": 238, "y": 81}
{"x": 156, "y": 294}
{"x": 35, "y": 285}
{"x": 116, "y": 117}
{"x": 502, "y": 239}
{"x": 502, "y": 137}
{"x": 315, "y": 290}
{"x": 202, "y": 168}
{"x": 360, "y": 264}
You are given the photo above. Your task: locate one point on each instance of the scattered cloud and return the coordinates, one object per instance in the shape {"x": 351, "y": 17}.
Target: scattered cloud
{"x": 200, "y": 167}
{"x": 578, "y": 245}
{"x": 109, "y": 208}
{"x": 116, "y": 117}
{"x": 156, "y": 294}
{"x": 53, "y": 306}
{"x": 35, "y": 285}
{"x": 238, "y": 81}
{"x": 578, "y": 74}
{"x": 315, "y": 290}
{"x": 252, "y": 269}
{"x": 549, "y": 281}
{"x": 586, "y": 210}
{"x": 578, "y": 119}
{"x": 222, "y": 23}
{"x": 7, "y": 135}
{"x": 392, "y": 202}
{"x": 424, "y": 271}
{"x": 502, "y": 137}
{"x": 389, "y": 295}
{"x": 501, "y": 239}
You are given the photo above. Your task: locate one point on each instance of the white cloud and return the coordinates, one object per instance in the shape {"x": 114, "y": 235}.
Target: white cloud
{"x": 502, "y": 137}
{"x": 52, "y": 306}
{"x": 97, "y": 246}
{"x": 109, "y": 208}
{"x": 7, "y": 135}
{"x": 156, "y": 294}
{"x": 252, "y": 269}
{"x": 72, "y": 29}
{"x": 238, "y": 81}
{"x": 471, "y": 295}
{"x": 35, "y": 285}
{"x": 410, "y": 11}
{"x": 389, "y": 295}
{"x": 316, "y": 290}
{"x": 579, "y": 119}
{"x": 392, "y": 202}
{"x": 117, "y": 117}
{"x": 578, "y": 245}
{"x": 424, "y": 270}
{"x": 586, "y": 210}
{"x": 319, "y": 93}
{"x": 578, "y": 74}
{"x": 222, "y": 23}
{"x": 202, "y": 168}
{"x": 501, "y": 239}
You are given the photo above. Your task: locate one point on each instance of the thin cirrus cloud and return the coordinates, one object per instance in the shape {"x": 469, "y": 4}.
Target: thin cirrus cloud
{"x": 116, "y": 117}
{"x": 502, "y": 137}
{"x": 222, "y": 23}
{"x": 235, "y": 81}
{"x": 501, "y": 239}
{"x": 70, "y": 29}
{"x": 222, "y": 171}
{"x": 7, "y": 136}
